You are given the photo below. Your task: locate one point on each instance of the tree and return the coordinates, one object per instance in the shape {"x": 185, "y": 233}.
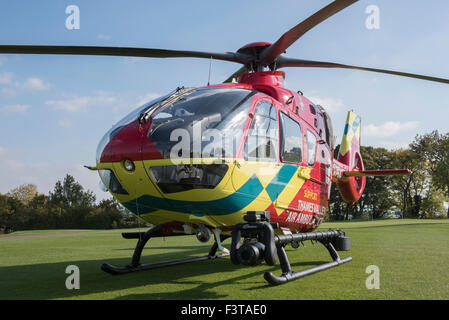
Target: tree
{"x": 377, "y": 197}
{"x": 433, "y": 204}
{"x": 5, "y": 214}
{"x": 70, "y": 204}
{"x": 434, "y": 148}
{"x": 24, "y": 193}
{"x": 106, "y": 215}
{"x": 409, "y": 190}
{"x": 67, "y": 206}
{"x": 70, "y": 194}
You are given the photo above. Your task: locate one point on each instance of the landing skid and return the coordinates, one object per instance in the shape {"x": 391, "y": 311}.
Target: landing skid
{"x": 259, "y": 243}
{"x": 289, "y": 275}
{"x": 143, "y": 237}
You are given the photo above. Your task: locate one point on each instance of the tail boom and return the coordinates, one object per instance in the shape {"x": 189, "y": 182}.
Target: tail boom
{"x": 377, "y": 173}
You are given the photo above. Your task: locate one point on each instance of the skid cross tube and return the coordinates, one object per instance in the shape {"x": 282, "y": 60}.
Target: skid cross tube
{"x": 324, "y": 237}
{"x": 143, "y": 237}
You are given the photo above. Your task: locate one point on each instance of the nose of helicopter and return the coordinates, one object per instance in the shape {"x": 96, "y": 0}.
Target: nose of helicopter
{"x": 119, "y": 159}
{"x": 120, "y": 144}
{"x": 119, "y": 148}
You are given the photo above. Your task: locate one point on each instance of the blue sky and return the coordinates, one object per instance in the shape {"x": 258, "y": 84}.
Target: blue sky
{"x": 55, "y": 109}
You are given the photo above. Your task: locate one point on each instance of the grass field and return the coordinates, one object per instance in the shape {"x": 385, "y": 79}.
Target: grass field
{"x": 412, "y": 255}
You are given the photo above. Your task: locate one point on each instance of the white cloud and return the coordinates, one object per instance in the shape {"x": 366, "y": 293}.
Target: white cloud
{"x": 72, "y": 105}
{"x": 31, "y": 83}
{"x": 8, "y": 91}
{"x": 388, "y": 129}
{"x": 6, "y": 77}
{"x": 35, "y": 83}
{"x": 16, "y": 108}
{"x": 329, "y": 104}
{"x": 82, "y": 103}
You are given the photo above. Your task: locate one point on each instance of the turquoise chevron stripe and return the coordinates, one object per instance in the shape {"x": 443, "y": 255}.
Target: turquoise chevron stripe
{"x": 356, "y": 123}
{"x": 279, "y": 182}
{"x": 137, "y": 207}
{"x": 227, "y": 205}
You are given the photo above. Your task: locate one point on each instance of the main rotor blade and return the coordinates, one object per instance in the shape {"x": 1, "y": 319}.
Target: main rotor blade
{"x": 240, "y": 71}
{"x": 271, "y": 53}
{"x": 283, "y": 62}
{"x": 123, "y": 52}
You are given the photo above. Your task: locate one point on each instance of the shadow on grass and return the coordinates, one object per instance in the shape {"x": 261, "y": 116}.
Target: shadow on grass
{"x": 47, "y": 280}
{"x": 203, "y": 287}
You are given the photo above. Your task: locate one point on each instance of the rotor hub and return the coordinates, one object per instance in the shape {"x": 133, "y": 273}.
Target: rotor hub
{"x": 269, "y": 78}
{"x": 255, "y": 49}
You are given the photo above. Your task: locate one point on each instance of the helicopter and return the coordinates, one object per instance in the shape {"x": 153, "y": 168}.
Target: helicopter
{"x": 246, "y": 159}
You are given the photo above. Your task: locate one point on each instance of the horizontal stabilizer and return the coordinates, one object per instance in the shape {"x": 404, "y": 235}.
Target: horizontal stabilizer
{"x": 386, "y": 172}
{"x": 91, "y": 168}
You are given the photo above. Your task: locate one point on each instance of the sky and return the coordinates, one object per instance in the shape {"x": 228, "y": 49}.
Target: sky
{"x": 55, "y": 109}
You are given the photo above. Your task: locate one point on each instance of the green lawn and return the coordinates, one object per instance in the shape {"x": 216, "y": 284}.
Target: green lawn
{"x": 412, "y": 255}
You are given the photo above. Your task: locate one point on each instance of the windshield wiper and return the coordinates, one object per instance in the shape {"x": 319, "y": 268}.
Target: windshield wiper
{"x": 172, "y": 97}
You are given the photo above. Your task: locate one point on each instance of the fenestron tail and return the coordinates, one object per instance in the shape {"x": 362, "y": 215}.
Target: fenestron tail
{"x": 350, "y": 159}
{"x": 350, "y": 144}
{"x": 349, "y": 171}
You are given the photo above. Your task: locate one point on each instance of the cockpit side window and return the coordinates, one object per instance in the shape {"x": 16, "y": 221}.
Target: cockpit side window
{"x": 311, "y": 147}
{"x": 291, "y": 140}
{"x": 262, "y": 141}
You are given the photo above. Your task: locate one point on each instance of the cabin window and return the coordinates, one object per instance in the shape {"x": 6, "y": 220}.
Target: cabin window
{"x": 329, "y": 130}
{"x": 261, "y": 144}
{"x": 291, "y": 141}
{"x": 311, "y": 148}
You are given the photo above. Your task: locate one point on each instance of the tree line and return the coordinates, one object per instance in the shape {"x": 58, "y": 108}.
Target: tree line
{"x": 68, "y": 206}
{"x": 419, "y": 195}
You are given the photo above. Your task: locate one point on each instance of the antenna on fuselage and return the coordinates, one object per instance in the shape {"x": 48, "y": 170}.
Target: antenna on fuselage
{"x": 210, "y": 68}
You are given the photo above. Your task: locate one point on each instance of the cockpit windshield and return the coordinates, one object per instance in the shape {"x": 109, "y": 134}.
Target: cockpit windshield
{"x": 203, "y": 124}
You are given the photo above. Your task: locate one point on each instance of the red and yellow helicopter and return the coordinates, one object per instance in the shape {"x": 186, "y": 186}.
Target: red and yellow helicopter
{"x": 246, "y": 159}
